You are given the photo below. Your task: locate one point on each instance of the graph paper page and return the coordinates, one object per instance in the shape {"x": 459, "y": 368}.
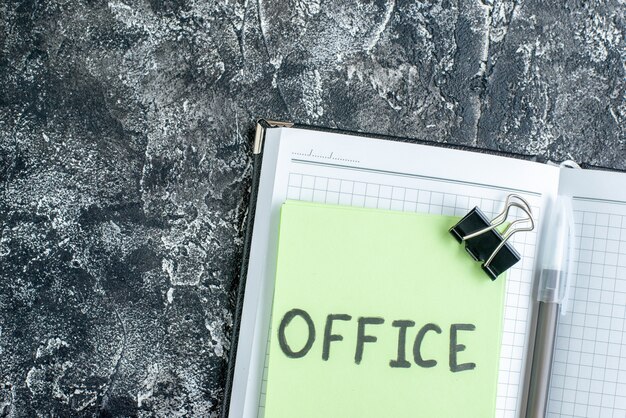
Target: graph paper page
{"x": 589, "y": 369}
{"x": 362, "y": 172}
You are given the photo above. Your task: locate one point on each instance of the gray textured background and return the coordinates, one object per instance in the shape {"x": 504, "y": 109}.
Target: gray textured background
{"x": 125, "y": 140}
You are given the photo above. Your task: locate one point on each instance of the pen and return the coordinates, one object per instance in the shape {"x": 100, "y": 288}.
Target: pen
{"x": 553, "y": 273}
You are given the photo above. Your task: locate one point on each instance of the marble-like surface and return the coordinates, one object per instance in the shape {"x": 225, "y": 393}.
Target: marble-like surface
{"x": 125, "y": 141}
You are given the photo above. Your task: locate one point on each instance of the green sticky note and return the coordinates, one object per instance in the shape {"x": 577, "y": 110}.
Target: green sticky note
{"x": 379, "y": 314}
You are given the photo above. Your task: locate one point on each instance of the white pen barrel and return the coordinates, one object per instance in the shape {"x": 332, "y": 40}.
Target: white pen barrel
{"x": 542, "y": 360}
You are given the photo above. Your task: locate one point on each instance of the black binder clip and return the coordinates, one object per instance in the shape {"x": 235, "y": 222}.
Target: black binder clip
{"x": 485, "y": 243}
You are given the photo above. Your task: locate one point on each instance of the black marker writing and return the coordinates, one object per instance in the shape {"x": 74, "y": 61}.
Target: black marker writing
{"x": 401, "y": 361}
{"x": 417, "y": 355}
{"x": 456, "y": 348}
{"x": 361, "y": 338}
{"x": 282, "y": 339}
{"x": 329, "y": 336}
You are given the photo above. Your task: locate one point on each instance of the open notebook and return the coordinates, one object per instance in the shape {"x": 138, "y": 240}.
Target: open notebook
{"x": 589, "y": 371}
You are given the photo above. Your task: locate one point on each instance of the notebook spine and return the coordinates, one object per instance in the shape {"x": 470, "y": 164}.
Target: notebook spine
{"x": 243, "y": 273}
{"x": 257, "y": 160}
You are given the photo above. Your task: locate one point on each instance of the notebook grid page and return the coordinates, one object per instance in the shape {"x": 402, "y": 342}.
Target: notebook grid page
{"x": 589, "y": 369}
{"x": 518, "y": 288}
